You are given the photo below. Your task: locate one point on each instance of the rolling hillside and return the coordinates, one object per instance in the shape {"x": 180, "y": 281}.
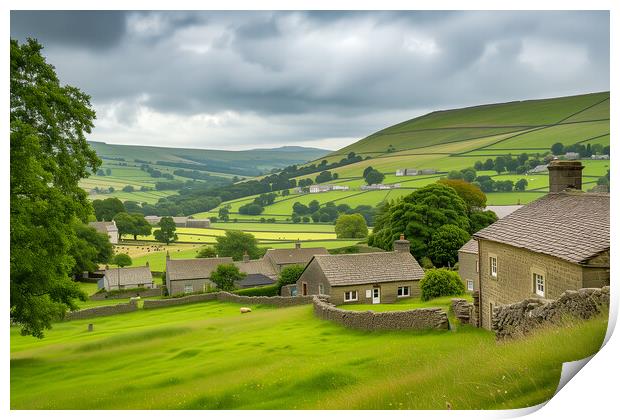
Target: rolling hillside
{"x": 456, "y": 139}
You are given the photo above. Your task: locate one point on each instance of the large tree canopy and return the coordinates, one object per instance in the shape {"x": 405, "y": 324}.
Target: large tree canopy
{"x": 418, "y": 216}
{"x": 49, "y": 155}
{"x": 235, "y": 244}
{"x": 90, "y": 249}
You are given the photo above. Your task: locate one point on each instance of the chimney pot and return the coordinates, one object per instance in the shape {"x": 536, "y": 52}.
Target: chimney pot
{"x": 564, "y": 175}
{"x": 402, "y": 245}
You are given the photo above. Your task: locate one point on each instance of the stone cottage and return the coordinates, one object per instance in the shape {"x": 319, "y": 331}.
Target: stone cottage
{"x": 192, "y": 274}
{"x": 280, "y": 258}
{"x": 468, "y": 265}
{"x": 375, "y": 277}
{"x": 107, "y": 228}
{"x": 559, "y": 242}
{"x": 258, "y": 273}
{"x": 126, "y": 278}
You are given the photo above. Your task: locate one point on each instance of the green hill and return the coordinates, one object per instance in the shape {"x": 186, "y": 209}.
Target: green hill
{"x": 455, "y": 139}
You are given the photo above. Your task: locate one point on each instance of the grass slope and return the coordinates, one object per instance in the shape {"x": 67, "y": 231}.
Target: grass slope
{"x": 208, "y": 356}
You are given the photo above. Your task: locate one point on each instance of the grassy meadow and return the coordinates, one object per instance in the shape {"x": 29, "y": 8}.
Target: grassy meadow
{"x": 208, "y": 356}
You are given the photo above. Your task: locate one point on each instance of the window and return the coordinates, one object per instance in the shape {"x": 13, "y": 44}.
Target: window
{"x": 350, "y": 296}
{"x": 539, "y": 284}
{"x": 470, "y": 285}
{"x": 189, "y": 288}
{"x": 321, "y": 289}
{"x": 493, "y": 266}
{"x": 403, "y": 291}
{"x": 294, "y": 291}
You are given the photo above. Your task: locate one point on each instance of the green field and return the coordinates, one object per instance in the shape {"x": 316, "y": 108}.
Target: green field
{"x": 208, "y": 356}
{"x": 406, "y": 304}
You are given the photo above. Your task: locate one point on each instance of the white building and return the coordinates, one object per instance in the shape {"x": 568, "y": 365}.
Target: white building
{"x": 571, "y": 155}
{"x": 600, "y": 157}
{"x": 108, "y": 228}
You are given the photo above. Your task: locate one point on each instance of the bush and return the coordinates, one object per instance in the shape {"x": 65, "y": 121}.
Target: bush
{"x": 426, "y": 263}
{"x": 273, "y": 290}
{"x": 290, "y": 274}
{"x": 441, "y": 282}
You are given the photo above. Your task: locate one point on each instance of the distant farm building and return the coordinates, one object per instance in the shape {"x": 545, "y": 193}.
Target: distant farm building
{"x": 427, "y": 172}
{"x": 406, "y": 172}
{"x": 324, "y": 188}
{"x": 599, "y": 157}
{"x": 538, "y": 169}
{"x": 380, "y": 187}
{"x": 108, "y": 228}
{"x": 126, "y": 278}
{"x": 571, "y": 156}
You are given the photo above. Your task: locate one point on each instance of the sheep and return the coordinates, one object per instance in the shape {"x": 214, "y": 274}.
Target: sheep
{"x": 245, "y": 310}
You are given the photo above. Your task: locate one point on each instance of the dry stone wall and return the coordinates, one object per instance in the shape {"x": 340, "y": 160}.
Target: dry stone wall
{"x": 162, "y": 303}
{"x": 520, "y": 318}
{"x": 279, "y": 301}
{"x": 120, "y": 308}
{"x": 156, "y": 291}
{"x": 463, "y": 310}
{"x": 414, "y": 319}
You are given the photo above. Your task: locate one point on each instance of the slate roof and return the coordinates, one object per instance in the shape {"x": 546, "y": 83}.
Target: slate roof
{"x": 293, "y": 255}
{"x": 104, "y": 227}
{"x": 260, "y": 266}
{"x": 128, "y": 276}
{"x": 253, "y": 280}
{"x": 470, "y": 247}
{"x": 194, "y": 268}
{"x": 371, "y": 267}
{"x": 573, "y": 226}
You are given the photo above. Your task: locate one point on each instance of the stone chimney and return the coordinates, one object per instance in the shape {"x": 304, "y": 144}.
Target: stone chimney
{"x": 246, "y": 257}
{"x": 297, "y": 244}
{"x": 401, "y": 245}
{"x": 564, "y": 174}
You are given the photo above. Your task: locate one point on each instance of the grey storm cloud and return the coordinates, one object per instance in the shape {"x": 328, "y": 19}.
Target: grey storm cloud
{"x": 318, "y": 74}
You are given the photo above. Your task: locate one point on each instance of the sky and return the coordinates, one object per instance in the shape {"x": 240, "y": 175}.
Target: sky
{"x": 242, "y": 80}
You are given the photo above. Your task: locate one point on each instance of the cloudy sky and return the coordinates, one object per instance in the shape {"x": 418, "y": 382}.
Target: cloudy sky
{"x": 240, "y": 80}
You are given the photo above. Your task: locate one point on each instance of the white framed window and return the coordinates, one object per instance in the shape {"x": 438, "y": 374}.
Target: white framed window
{"x": 350, "y": 296}
{"x": 189, "y": 288}
{"x": 539, "y": 284}
{"x": 294, "y": 291}
{"x": 470, "y": 285}
{"x": 493, "y": 266}
{"x": 321, "y": 289}
{"x": 403, "y": 291}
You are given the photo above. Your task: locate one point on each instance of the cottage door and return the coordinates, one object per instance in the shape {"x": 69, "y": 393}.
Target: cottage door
{"x": 376, "y": 295}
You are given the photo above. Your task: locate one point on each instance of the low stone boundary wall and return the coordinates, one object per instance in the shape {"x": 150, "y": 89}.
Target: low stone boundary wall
{"x": 126, "y": 295}
{"x": 413, "y": 319}
{"x": 522, "y": 317}
{"x": 464, "y": 311}
{"x": 285, "y": 291}
{"x": 278, "y": 301}
{"x": 120, "y": 308}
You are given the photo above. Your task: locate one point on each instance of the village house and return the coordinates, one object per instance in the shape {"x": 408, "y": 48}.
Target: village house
{"x": 559, "y": 242}
{"x": 107, "y": 228}
{"x": 126, "y": 278}
{"x": 379, "y": 186}
{"x": 280, "y": 258}
{"x": 375, "y": 277}
{"x": 571, "y": 155}
{"x": 469, "y": 268}
{"x": 325, "y": 188}
{"x": 406, "y": 172}
{"x": 258, "y": 272}
{"x": 192, "y": 274}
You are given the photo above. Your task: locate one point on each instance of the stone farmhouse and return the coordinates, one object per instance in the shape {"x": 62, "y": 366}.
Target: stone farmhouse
{"x": 107, "y": 228}
{"x": 280, "y": 258}
{"x": 126, "y": 278}
{"x": 258, "y": 272}
{"x": 559, "y": 242}
{"x": 469, "y": 269}
{"x": 375, "y": 277}
{"x": 192, "y": 274}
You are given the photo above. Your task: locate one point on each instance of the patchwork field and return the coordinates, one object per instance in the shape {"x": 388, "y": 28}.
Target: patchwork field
{"x": 208, "y": 356}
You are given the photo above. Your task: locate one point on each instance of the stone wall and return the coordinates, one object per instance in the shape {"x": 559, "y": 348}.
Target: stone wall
{"x": 279, "y": 301}
{"x": 127, "y": 294}
{"x": 287, "y": 290}
{"x": 414, "y": 319}
{"x": 121, "y": 308}
{"x": 466, "y": 312}
{"x": 520, "y": 318}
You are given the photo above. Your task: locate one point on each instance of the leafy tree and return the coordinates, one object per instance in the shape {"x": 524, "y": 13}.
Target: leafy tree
{"x": 48, "y": 156}
{"x": 324, "y": 176}
{"x": 521, "y": 184}
{"x": 140, "y": 226}
{"x": 426, "y": 263}
{"x": 489, "y": 165}
{"x": 100, "y": 172}
{"x": 300, "y": 209}
{"x": 479, "y": 166}
{"x": 500, "y": 164}
{"x": 285, "y": 193}
{"x": 471, "y": 194}
{"x": 440, "y": 282}
{"x": 206, "y": 252}
{"x": 125, "y": 223}
{"x": 445, "y": 243}
{"x": 469, "y": 174}
{"x": 418, "y": 215}
{"x": 480, "y": 219}
{"x": 374, "y": 177}
{"x": 290, "y": 274}
{"x": 557, "y": 149}
{"x": 105, "y": 210}
{"x": 128, "y": 188}
{"x": 367, "y": 170}
{"x": 313, "y": 206}
{"x": 108, "y": 171}
{"x": 455, "y": 175}
{"x": 505, "y": 186}
{"x": 90, "y": 249}
{"x": 305, "y": 219}
{"x": 351, "y": 226}
{"x": 252, "y": 209}
{"x": 167, "y": 231}
{"x": 122, "y": 260}
{"x": 223, "y": 213}
{"x": 225, "y": 276}
{"x": 236, "y": 243}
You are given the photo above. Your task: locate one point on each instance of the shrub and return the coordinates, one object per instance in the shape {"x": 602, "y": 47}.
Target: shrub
{"x": 273, "y": 290}
{"x": 426, "y": 263}
{"x": 441, "y": 282}
{"x": 290, "y": 274}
